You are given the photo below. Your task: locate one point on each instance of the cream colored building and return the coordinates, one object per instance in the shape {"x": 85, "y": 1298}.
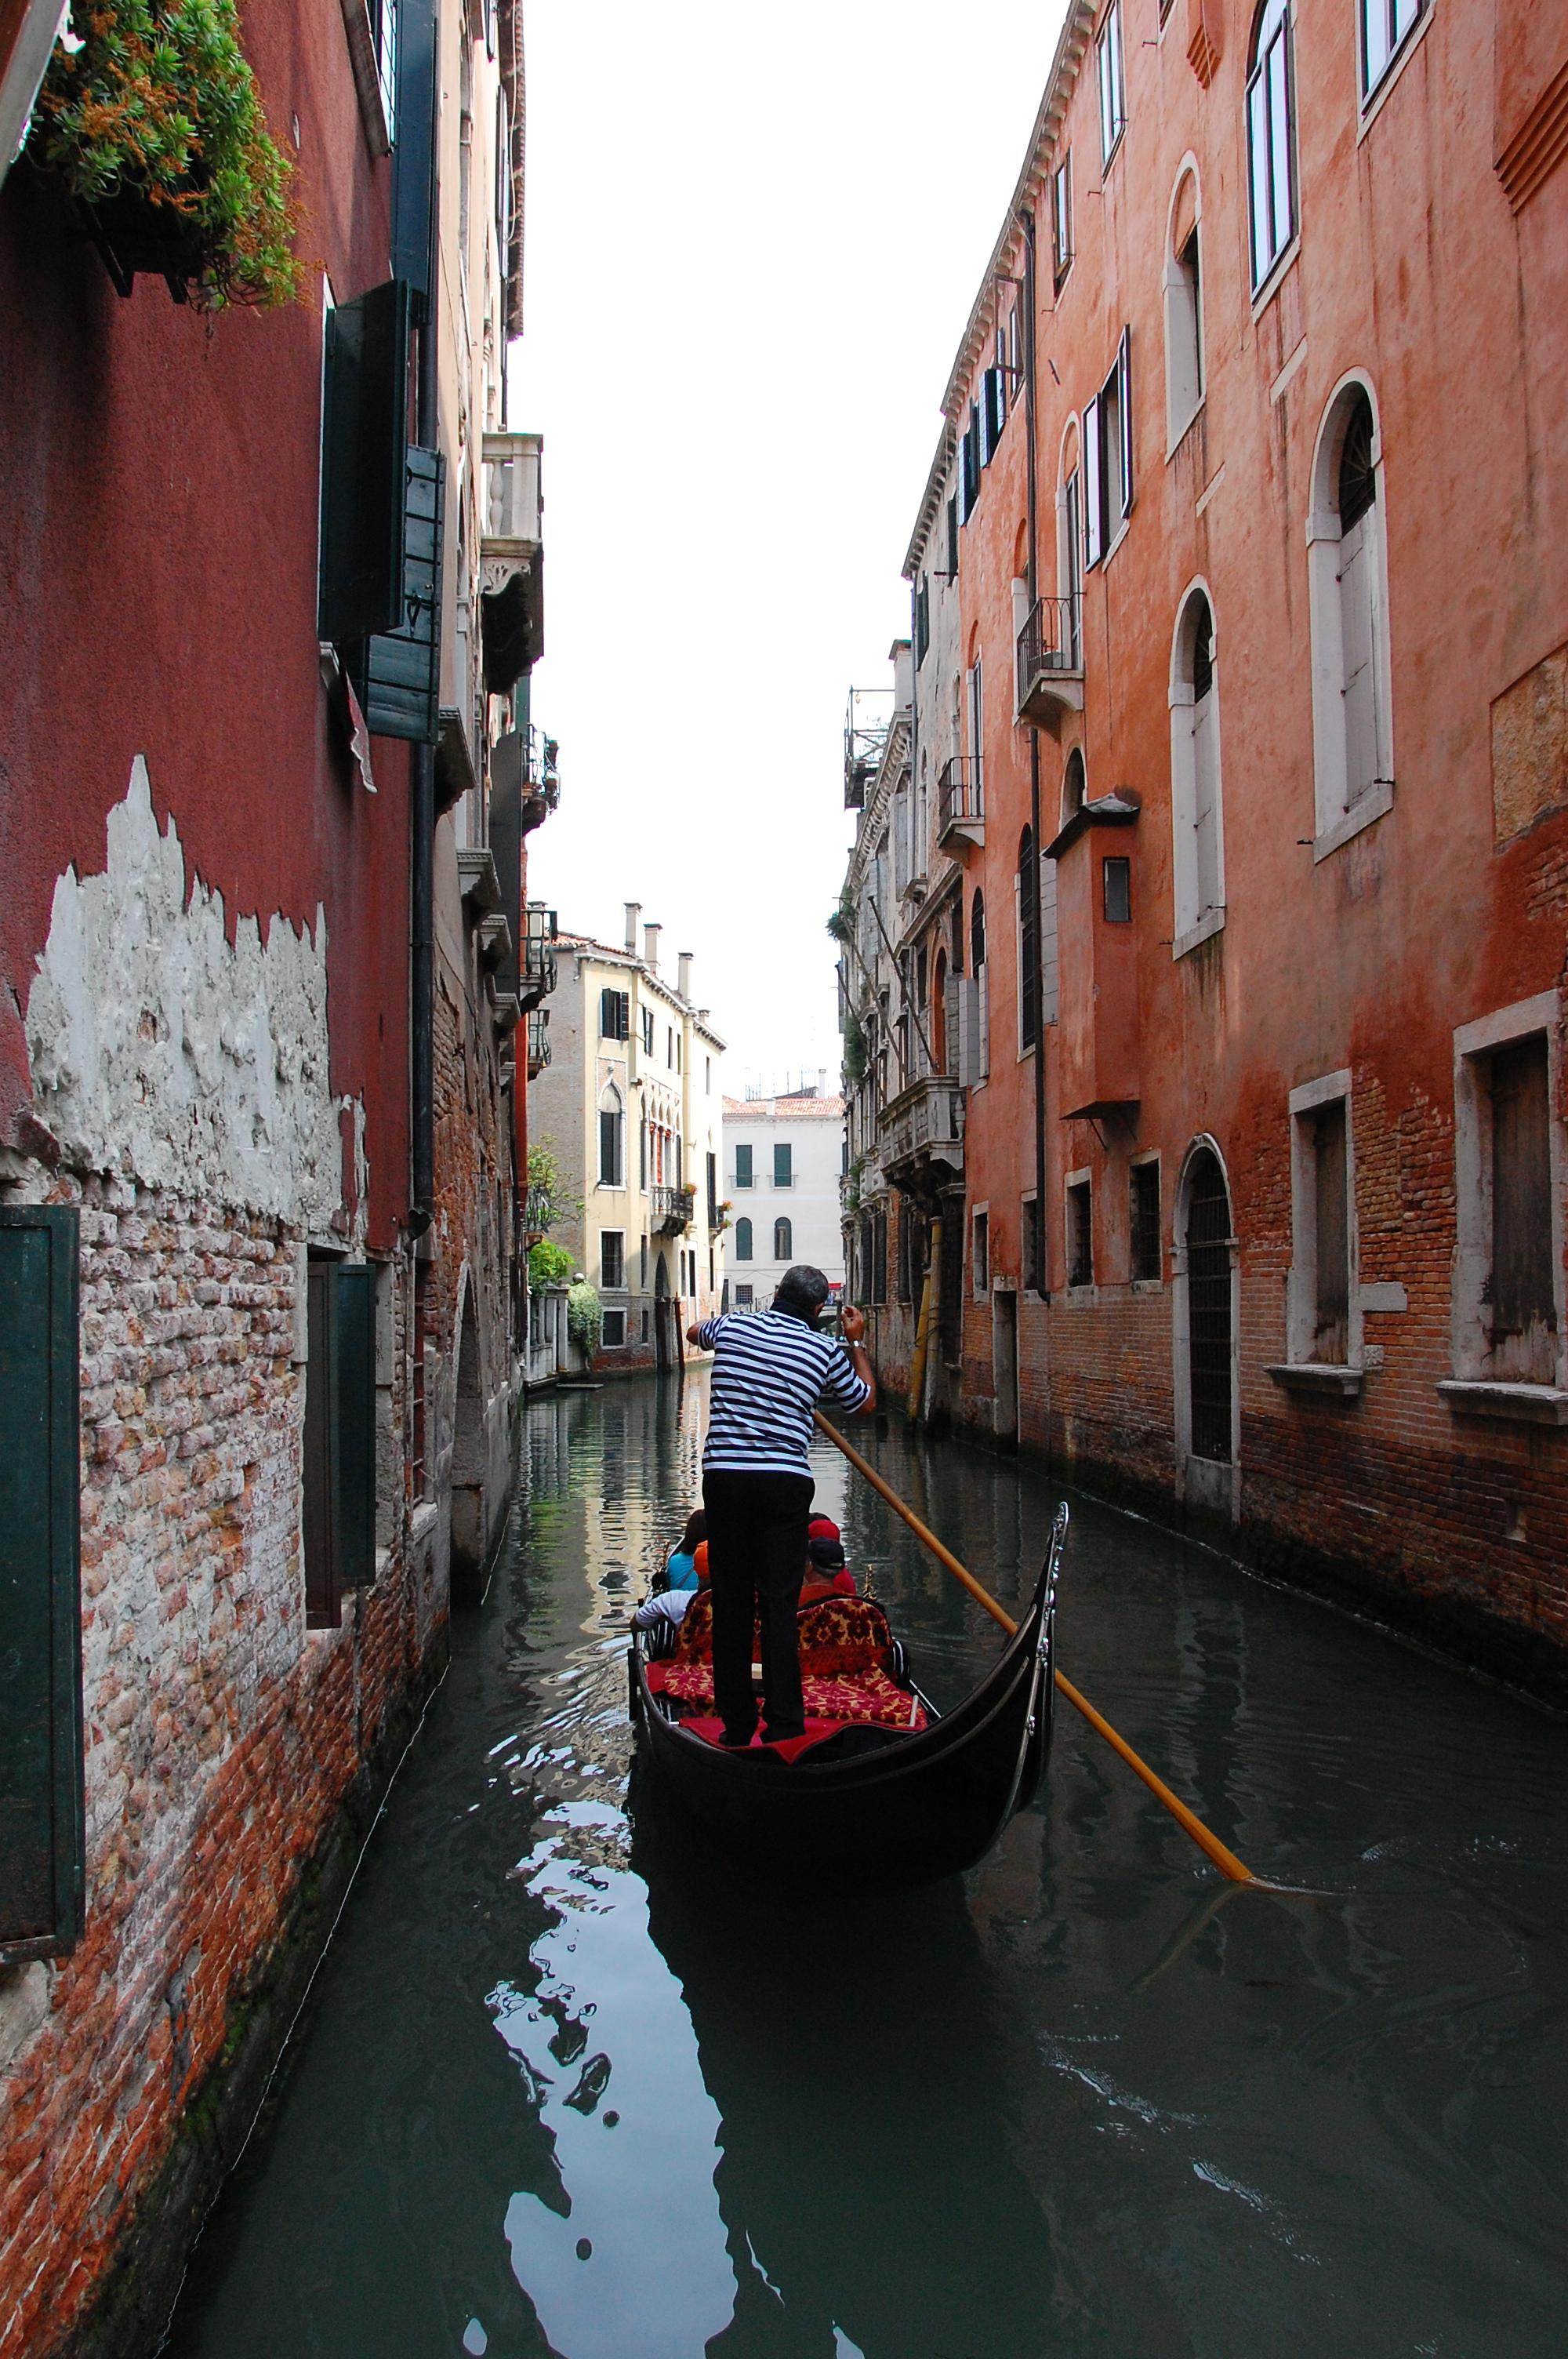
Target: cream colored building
{"x": 630, "y": 1106}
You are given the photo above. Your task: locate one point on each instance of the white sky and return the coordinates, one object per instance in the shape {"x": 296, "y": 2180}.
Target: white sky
{"x": 753, "y": 240}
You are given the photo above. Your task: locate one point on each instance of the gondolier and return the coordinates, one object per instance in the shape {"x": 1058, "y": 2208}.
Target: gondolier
{"x": 770, "y": 1372}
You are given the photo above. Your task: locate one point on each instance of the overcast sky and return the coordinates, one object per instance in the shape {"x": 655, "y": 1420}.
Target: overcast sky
{"x": 753, "y": 240}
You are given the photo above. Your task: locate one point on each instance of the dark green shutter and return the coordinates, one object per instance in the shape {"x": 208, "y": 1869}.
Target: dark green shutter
{"x": 322, "y": 1581}
{"x": 414, "y": 151}
{"x": 356, "y": 1424}
{"x": 363, "y": 452}
{"x": 41, "y": 1817}
{"x": 402, "y": 671}
{"x": 507, "y": 758}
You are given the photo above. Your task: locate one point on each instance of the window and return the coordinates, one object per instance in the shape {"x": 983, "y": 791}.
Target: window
{"x": 744, "y": 1297}
{"x": 1080, "y": 1231}
{"x": 41, "y": 1805}
{"x": 1028, "y": 943}
{"x": 742, "y": 1239}
{"x": 611, "y": 1140}
{"x": 364, "y": 465}
{"x": 1017, "y": 329}
{"x": 993, "y": 411}
{"x": 612, "y": 1259}
{"x": 1184, "y": 315}
{"x": 1347, "y": 591}
{"x": 953, "y": 537}
{"x": 1108, "y": 457}
{"x": 642, "y": 1151}
{"x": 1115, "y": 891}
{"x": 1061, "y": 220}
{"x": 1523, "y": 1308}
{"x": 710, "y": 1167}
{"x": 743, "y": 1167}
{"x": 612, "y": 1335}
{"x": 1197, "y": 817}
{"x": 783, "y": 1241}
{"x": 921, "y": 621}
{"x": 338, "y": 1520}
{"x": 981, "y": 1256}
{"x": 1386, "y": 26}
{"x": 643, "y": 1264}
{"x": 1270, "y": 141}
{"x": 1326, "y": 1146}
{"x": 614, "y": 1015}
{"x": 982, "y": 1003}
{"x": 1112, "y": 90}
{"x": 783, "y": 1166}
{"x": 1143, "y": 1219}
{"x": 1074, "y": 786}
{"x": 970, "y": 466}
{"x": 647, "y": 1016}
{"x": 646, "y": 1322}
{"x": 1029, "y": 1233}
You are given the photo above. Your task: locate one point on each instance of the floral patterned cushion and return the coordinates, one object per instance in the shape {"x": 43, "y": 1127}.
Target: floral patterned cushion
{"x": 861, "y": 1695}
{"x": 844, "y": 1634}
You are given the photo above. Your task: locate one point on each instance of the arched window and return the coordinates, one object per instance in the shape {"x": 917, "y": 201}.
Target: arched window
{"x": 783, "y": 1241}
{"x": 1347, "y": 586}
{"x": 1075, "y": 788}
{"x": 1028, "y": 884}
{"x": 611, "y": 1138}
{"x": 939, "y": 1011}
{"x": 742, "y": 1239}
{"x": 1270, "y": 141}
{"x": 1197, "y": 815}
{"x": 982, "y": 986}
{"x": 1184, "y": 313}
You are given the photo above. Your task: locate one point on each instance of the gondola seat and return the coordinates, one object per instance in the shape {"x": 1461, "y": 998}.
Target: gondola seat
{"x": 846, "y": 1663}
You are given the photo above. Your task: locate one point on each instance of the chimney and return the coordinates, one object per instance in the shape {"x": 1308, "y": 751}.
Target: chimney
{"x": 650, "y": 948}
{"x": 684, "y": 964}
{"x": 633, "y": 911}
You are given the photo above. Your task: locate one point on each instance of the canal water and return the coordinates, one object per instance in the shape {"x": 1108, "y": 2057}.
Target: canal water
{"x": 566, "y": 2085}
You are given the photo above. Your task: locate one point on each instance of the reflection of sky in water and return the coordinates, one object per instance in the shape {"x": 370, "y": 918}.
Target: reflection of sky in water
{"x": 657, "y": 2281}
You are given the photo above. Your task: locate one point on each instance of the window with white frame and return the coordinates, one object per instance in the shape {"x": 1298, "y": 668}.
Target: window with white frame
{"x": 1271, "y": 137}
{"x": 742, "y": 1239}
{"x": 1108, "y": 457}
{"x": 1386, "y": 27}
{"x": 783, "y": 1241}
{"x": 648, "y": 1017}
{"x": 1197, "y": 824}
{"x": 1184, "y": 314}
{"x": 1080, "y": 1236}
{"x": 611, "y": 1138}
{"x": 612, "y": 1334}
{"x": 981, "y": 1252}
{"x": 612, "y": 1259}
{"x": 1112, "y": 87}
{"x": 1348, "y": 603}
{"x": 1062, "y": 218}
{"x": 1323, "y": 1322}
{"x": 1509, "y": 1174}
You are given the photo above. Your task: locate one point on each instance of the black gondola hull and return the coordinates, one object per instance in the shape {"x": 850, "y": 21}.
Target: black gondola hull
{"x": 904, "y": 1810}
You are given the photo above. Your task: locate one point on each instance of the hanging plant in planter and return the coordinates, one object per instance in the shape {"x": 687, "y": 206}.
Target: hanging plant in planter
{"x": 151, "y": 120}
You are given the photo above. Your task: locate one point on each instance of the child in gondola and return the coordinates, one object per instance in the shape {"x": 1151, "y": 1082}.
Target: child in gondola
{"x": 680, "y": 1572}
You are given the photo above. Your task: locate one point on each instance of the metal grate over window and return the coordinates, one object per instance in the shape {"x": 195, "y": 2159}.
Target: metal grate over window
{"x": 1209, "y": 1306}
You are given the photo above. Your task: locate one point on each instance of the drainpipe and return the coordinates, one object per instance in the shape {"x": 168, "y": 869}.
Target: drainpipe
{"x": 422, "y": 799}
{"x": 1027, "y": 220}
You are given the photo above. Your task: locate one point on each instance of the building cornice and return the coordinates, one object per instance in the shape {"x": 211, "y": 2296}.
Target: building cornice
{"x": 593, "y": 953}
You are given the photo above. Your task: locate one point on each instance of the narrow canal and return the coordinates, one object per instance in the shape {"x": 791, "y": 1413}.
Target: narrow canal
{"x": 563, "y": 2089}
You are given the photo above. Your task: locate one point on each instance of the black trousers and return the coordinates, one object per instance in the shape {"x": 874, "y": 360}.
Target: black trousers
{"x": 756, "y": 1562}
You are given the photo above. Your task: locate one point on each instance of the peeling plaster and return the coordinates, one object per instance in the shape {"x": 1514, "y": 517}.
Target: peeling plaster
{"x": 161, "y": 1052}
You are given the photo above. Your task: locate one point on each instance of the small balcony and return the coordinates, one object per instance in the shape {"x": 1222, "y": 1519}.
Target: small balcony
{"x": 537, "y": 967}
{"x": 1051, "y": 661}
{"x": 511, "y": 559}
{"x": 671, "y": 1211}
{"x": 921, "y": 1129}
{"x": 538, "y": 1041}
{"x": 960, "y": 805}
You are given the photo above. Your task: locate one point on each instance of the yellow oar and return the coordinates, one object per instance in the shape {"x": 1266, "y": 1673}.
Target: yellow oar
{"x": 1223, "y": 1858}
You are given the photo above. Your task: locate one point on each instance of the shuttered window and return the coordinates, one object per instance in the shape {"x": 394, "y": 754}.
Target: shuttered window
{"x": 41, "y": 1818}
{"x": 1523, "y": 1304}
{"x": 1112, "y": 100}
{"x": 1094, "y": 524}
{"x": 323, "y": 1573}
{"x": 1062, "y": 218}
{"x": 783, "y": 1166}
{"x": 1331, "y": 1221}
{"x": 401, "y": 672}
{"x": 969, "y": 464}
{"x": 355, "y": 1284}
{"x": 993, "y": 412}
{"x": 1107, "y": 456}
{"x": 744, "y": 1174}
{"x": 614, "y": 1015}
{"x": 363, "y": 465}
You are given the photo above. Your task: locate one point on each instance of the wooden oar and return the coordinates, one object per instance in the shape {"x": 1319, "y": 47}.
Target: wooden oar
{"x": 1206, "y": 1841}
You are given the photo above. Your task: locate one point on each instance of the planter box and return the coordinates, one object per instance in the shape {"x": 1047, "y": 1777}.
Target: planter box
{"x": 133, "y": 235}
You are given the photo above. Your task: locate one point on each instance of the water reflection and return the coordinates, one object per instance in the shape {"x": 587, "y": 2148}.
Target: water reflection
{"x": 571, "y": 2086}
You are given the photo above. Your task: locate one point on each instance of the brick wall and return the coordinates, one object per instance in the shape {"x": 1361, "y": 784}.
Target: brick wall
{"x": 223, "y": 1741}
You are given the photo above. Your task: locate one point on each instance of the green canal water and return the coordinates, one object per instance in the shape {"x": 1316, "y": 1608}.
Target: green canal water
{"x": 567, "y": 2085}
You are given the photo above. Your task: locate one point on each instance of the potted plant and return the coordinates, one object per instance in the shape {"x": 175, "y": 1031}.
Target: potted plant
{"x": 150, "y": 120}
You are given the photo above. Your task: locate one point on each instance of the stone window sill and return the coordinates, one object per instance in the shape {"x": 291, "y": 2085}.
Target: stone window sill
{"x": 1508, "y": 1404}
{"x": 1319, "y": 1376}
{"x": 1375, "y": 804}
{"x": 1204, "y": 931}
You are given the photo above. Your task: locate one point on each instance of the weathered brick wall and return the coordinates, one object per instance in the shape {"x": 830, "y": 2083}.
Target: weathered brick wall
{"x": 221, "y": 1738}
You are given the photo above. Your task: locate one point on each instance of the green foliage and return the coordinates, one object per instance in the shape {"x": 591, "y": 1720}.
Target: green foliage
{"x": 585, "y": 1317}
{"x": 854, "y": 1050}
{"x": 548, "y": 1264}
{"x": 841, "y": 924}
{"x": 550, "y": 1195}
{"x": 158, "y": 103}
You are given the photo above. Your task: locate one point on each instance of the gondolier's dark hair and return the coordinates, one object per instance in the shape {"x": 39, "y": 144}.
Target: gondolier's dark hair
{"x": 801, "y": 1288}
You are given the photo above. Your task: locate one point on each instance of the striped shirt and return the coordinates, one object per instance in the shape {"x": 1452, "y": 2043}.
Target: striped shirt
{"x": 769, "y": 1372}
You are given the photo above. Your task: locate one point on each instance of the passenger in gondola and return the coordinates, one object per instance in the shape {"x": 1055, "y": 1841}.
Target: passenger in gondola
{"x": 769, "y": 1372}
{"x": 680, "y": 1572}
{"x": 827, "y": 1573}
{"x": 667, "y": 1609}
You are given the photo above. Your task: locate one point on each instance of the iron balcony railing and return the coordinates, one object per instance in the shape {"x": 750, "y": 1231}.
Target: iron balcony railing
{"x": 541, "y": 775}
{"x": 537, "y": 967}
{"x": 673, "y": 1210}
{"x": 538, "y": 1041}
{"x": 960, "y": 794}
{"x": 1050, "y": 640}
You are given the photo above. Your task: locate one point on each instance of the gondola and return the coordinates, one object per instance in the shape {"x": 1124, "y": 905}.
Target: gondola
{"x": 857, "y": 1806}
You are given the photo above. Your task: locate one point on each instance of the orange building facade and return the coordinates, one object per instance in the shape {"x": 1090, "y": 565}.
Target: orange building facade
{"x": 1205, "y": 930}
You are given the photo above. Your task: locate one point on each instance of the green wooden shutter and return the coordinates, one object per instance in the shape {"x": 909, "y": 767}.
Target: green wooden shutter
{"x": 414, "y": 148}
{"x": 508, "y": 758}
{"x": 42, "y": 1856}
{"x": 402, "y": 672}
{"x": 356, "y": 1423}
{"x": 363, "y": 465}
{"x": 322, "y": 1484}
